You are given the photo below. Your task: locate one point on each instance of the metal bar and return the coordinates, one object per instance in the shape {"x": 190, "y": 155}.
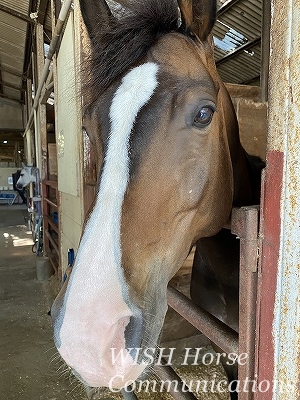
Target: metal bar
{"x": 244, "y": 224}
{"x": 167, "y": 374}
{"x": 219, "y": 333}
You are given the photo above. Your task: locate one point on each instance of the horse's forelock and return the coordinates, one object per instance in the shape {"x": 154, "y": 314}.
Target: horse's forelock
{"x": 128, "y": 39}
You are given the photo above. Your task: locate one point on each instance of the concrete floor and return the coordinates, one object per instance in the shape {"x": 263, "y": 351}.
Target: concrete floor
{"x": 29, "y": 366}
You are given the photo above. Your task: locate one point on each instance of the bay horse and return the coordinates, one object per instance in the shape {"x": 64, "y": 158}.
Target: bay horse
{"x": 171, "y": 160}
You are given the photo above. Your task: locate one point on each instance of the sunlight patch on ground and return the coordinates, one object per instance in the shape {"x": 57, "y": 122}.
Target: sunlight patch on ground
{"x": 22, "y": 242}
{"x": 17, "y": 241}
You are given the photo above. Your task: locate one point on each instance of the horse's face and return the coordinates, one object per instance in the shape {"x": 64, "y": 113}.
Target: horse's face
{"x": 25, "y": 178}
{"x": 180, "y": 185}
{"x": 166, "y": 180}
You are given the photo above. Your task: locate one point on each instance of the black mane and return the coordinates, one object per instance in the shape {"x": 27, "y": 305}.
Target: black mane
{"x": 127, "y": 40}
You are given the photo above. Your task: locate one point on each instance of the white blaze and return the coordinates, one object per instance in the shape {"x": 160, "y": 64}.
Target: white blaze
{"x": 95, "y": 312}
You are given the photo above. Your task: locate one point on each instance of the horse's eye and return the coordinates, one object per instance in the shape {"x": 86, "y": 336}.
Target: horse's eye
{"x": 204, "y": 116}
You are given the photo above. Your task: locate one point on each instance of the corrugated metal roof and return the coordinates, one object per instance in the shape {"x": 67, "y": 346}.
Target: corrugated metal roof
{"x": 12, "y": 50}
{"x": 16, "y": 24}
{"x": 13, "y": 36}
{"x": 236, "y": 33}
{"x": 20, "y": 6}
{"x": 244, "y": 68}
{"x": 237, "y": 37}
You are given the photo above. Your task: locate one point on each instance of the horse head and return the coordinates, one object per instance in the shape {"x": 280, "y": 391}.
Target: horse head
{"x": 166, "y": 127}
{"x": 27, "y": 175}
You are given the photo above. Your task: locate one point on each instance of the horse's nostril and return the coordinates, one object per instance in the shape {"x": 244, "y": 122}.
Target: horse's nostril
{"x": 134, "y": 333}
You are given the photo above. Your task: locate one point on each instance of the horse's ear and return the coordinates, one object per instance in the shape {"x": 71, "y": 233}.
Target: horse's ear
{"x": 96, "y": 16}
{"x": 198, "y": 16}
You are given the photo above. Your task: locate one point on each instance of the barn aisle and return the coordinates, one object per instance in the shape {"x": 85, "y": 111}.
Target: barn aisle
{"x": 26, "y": 346}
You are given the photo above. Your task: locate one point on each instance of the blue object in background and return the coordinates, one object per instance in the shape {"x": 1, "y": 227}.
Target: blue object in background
{"x": 71, "y": 257}
{"x": 55, "y": 217}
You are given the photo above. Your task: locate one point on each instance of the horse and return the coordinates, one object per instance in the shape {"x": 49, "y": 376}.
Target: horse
{"x": 165, "y": 131}
{"x": 28, "y": 174}
{"x": 215, "y": 272}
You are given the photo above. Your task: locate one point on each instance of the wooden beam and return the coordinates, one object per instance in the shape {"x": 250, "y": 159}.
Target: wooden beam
{"x": 9, "y": 151}
{"x": 6, "y": 158}
{"x": 42, "y": 11}
{"x": 265, "y": 48}
{"x": 11, "y": 145}
{"x": 11, "y": 136}
{"x": 28, "y": 99}
{"x": 16, "y": 14}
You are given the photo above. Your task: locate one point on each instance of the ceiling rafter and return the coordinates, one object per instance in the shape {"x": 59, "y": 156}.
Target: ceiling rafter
{"x": 4, "y": 96}
{"x": 226, "y": 6}
{"x": 9, "y": 85}
{"x": 12, "y": 131}
{"x": 239, "y": 50}
{"x": 16, "y": 14}
{"x": 12, "y": 72}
